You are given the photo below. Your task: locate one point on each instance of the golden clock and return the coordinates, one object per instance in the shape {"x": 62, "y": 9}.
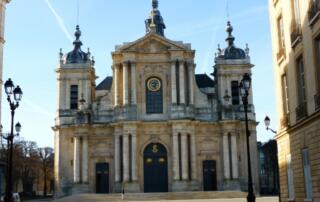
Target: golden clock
{"x": 154, "y": 84}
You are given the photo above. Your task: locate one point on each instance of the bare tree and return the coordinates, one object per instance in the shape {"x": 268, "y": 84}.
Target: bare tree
{"x": 46, "y": 157}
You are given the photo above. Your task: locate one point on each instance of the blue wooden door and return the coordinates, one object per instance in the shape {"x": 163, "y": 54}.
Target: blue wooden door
{"x": 155, "y": 168}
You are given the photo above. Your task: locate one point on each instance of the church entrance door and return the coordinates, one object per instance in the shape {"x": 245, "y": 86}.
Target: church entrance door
{"x": 155, "y": 168}
{"x": 102, "y": 178}
{"x": 209, "y": 175}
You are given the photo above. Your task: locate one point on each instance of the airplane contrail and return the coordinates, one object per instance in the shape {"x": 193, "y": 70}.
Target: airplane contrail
{"x": 59, "y": 20}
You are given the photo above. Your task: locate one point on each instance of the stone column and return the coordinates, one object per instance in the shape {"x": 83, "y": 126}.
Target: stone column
{"x": 84, "y": 159}
{"x": 117, "y": 159}
{"x": 234, "y": 153}
{"x": 76, "y": 160}
{"x": 62, "y": 89}
{"x": 116, "y": 85}
{"x": 193, "y": 157}
{"x": 191, "y": 79}
{"x": 125, "y": 158}
{"x": 226, "y": 160}
{"x": 184, "y": 157}
{"x": 175, "y": 146}
{"x": 134, "y": 157}
{"x": 125, "y": 84}
{"x": 182, "y": 83}
{"x": 87, "y": 91}
{"x": 133, "y": 84}
{"x": 173, "y": 83}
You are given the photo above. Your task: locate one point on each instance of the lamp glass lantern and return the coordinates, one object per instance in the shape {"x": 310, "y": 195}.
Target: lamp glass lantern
{"x": 8, "y": 87}
{"x": 18, "y": 127}
{"x": 242, "y": 90}
{"x": 246, "y": 81}
{"x": 17, "y": 93}
{"x": 267, "y": 121}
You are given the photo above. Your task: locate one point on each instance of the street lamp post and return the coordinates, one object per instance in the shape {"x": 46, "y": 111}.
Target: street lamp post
{"x": 267, "y": 123}
{"x": 244, "y": 90}
{"x": 16, "y": 92}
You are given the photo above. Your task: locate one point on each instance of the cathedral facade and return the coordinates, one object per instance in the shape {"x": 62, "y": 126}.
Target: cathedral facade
{"x": 155, "y": 125}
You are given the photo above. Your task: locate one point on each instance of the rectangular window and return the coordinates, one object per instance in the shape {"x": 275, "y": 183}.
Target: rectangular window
{"x": 317, "y": 60}
{"x": 291, "y": 194}
{"x": 300, "y": 81}
{"x": 285, "y": 96}
{"x": 296, "y": 11}
{"x": 281, "y": 33}
{"x": 74, "y": 97}
{"x": 307, "y": 173}
{"x": 235, "y": 94}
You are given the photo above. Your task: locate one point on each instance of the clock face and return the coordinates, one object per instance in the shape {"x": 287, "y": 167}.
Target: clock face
{"x": 154, "y": 84}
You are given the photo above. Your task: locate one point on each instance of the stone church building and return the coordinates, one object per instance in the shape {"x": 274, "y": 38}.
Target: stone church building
{"x": 155, "y": 125}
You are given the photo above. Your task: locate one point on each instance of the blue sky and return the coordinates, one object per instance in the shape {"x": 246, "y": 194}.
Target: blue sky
{"x": 37, "y": 29}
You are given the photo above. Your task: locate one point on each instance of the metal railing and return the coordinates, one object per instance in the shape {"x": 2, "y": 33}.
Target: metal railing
{"x": 296, "y": 34}
{"x": 314, "y": 10}
{"x": 317, "y": 101}
{"x": 301, "y": 111}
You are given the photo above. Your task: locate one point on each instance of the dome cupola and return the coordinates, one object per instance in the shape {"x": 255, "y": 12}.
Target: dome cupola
{"x": 231, "y": 52}
{"x": 77, "y": 56}
{"x": 155, "y": 21}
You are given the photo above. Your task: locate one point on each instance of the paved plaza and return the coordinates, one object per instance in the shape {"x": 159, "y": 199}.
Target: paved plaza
{"x": 263, "y": 199}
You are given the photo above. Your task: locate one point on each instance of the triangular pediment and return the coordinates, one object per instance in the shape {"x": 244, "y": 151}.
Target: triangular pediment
{"x": 153, "y": 42}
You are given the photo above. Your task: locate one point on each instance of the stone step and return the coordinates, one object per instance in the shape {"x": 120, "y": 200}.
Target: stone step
{"x": 154, "y": 196}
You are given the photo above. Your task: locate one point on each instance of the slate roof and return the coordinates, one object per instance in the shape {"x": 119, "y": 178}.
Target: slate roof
{"x": 204, "y": 81}
{"x": 105, "y": 84}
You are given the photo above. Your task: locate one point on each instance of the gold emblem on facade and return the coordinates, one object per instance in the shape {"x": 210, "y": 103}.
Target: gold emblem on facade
{"x": 154, "y": 84}
{"x": 149, "y": 160}
{"x": 155, "y": 148}
{"x": 162, "y": 160}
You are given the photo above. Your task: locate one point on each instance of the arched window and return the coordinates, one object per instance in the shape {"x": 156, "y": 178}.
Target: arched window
{"x": 154, "y": 96}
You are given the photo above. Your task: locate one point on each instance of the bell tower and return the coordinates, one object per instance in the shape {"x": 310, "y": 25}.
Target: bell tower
{"x": 2, "y": 20}
{"x": 231, "y": 63}
{"x": 76, "y": 80}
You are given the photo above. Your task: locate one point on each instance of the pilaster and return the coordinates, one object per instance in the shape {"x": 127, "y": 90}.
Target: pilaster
{"x": 184, "y": 157}
{"x": 133, "y": 84}
{"x": 234, "y": 156}
{"x": 173, "y": 83}
{"x": 134, "y": 157}
{"x": 116, "y": 84}
{"x": 76, "y": 159}
{"x": 182, "y": 83}
{"x": 191, "y": 79}
{"x": 193, "y": 157}
{"x": 125, "y": 83}
{"x": 176, "y": 174}
{"x": 226, "y": 159}
{"x": 125, "y": 158}
{"x": 117, "y": 157}
{"x": 85, "y": 159}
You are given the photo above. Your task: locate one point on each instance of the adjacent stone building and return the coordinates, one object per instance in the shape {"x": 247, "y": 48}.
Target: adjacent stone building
{"x": 268, "y": 168}
{"x": 154, "y": 126}
{"x": 2, "y": 20}
{"x": 295, "y": 32}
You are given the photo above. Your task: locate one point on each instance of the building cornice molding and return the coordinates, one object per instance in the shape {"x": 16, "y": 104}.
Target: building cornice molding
{"x": 299, "y": 125}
